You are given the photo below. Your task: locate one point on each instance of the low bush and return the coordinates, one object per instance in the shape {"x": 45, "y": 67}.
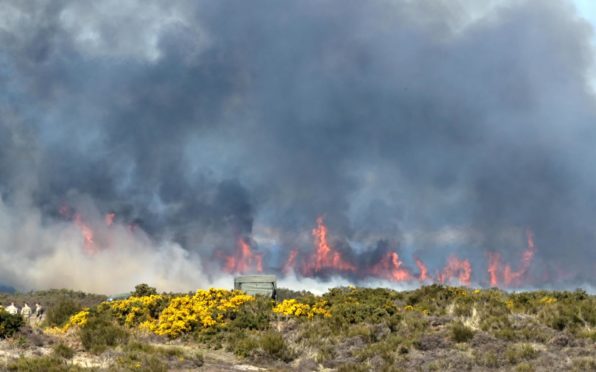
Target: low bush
{"x": 41, "y": 364}
{"x": 287, "y": 294}
{"x": 58, "y": 315}
{"x": 9, "y": 324}
{"x": 143, "y": 290}
{"x": 242, "y": 344}
{"x": 461, "y": 333}
{"x": 487, "y": 359}
{"x": 63, "y": 351}
{"x": 253, "y": 314}
{"x": 140, "y": 361}
{"x": 524, "y": 367}
{"x": 519, "y": 353}
{"x": 100, "y": 332}
{"x": 274, "y": 346}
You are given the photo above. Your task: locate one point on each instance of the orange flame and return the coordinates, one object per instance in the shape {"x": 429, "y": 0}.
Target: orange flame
{"x": 109, "y": 218}
{"x": 515, "y": 277}
{"x": 325, "y": 257}
{"x": 87, "y": 233}
{"x": 244, "y": 260}
{"x": 494, "y": 261}
{"x": 423, "y": 276}
{"x": 289, "y": 265}
{"x": 390, "y": 268}
{"x": 456, "y": 268}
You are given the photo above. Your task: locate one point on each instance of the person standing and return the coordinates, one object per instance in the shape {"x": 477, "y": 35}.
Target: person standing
{"x": 38, "y": 311}
{"x": 26, "y": 312}
{"x": 12, "y": 309}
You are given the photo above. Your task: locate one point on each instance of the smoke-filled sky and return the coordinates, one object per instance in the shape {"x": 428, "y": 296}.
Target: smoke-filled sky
{"x": 432, "y": 128}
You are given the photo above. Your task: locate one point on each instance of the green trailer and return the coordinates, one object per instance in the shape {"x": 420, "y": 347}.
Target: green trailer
{"x": 264, "y": 285}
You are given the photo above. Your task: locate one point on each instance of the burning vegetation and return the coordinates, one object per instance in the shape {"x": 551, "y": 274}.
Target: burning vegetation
{"x": 325, "y": 260}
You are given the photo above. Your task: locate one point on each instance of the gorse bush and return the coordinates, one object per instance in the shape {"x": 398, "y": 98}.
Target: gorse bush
{"x": 380, "y": 329}
{"x": 9, "y": 324}
{"x": 254, "y": 314}
{"x": 143, "y": 290}
{"x": 60, "y": 313}
{"x": 100, "y": 332}
{"x": 135, "y": 310}
{"x": 294, "y": 308}
{"x": 286, "y": 294}
{"x": 204, "y": 309}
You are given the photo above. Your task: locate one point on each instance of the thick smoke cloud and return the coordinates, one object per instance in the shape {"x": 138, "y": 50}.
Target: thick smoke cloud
{"x": 435, "y": 127}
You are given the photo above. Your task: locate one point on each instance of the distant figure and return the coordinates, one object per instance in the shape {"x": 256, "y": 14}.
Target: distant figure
{"x": 38, "y": 311}
{"x": 12, "y": 309}
{"x": 26, "y": 312}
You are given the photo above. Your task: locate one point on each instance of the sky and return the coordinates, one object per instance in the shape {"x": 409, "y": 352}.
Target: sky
{"x": 180, "y": 143}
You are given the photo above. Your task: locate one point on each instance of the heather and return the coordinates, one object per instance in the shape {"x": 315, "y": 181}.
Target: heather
{"x": 435, "y": 327}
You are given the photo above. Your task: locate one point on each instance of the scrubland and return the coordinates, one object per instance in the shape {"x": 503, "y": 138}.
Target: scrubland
{"x": 434, "y": 328}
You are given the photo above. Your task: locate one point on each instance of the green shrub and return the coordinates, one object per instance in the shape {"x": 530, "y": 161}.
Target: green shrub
{"x": 198, "y": 358}
{"x": 326, "y": 352}
{"x": 352, "y": 367}
{"x": 584, "y": 364}
{"x": 487, "y": 359}
{"x": 143, "y": 289}
{"x": 286, "y": 294}
{"x": 135, "y": 346}
{"x": 171, "y": 352}
{"x": 274, "y": 346}
{"x": 254, "y": 314}
{"x": 63, "y": 351}
{"x": 51, "y": 297}
{"x": 140, "y": 361}
{"x": 518, "y": 353}
{"x": 59, "y": 314}
{"x": 41, "y": 364}
{"x": 385, "y": 349}
{"x": 461, "y": 333}
{"x": 524, "y": 367}
{"x": 9, "y": 324}
{"x": 100, "y": 332}
{"x": 241, "y": 344}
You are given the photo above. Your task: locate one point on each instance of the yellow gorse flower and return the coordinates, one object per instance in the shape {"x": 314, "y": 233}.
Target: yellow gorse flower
{"x": 135, "y": 310}
{"x": 547, "y": 300}
{"x": 294, "y": 308}
{"x": 79, "y": 319}
{"x": 204, "y": 309}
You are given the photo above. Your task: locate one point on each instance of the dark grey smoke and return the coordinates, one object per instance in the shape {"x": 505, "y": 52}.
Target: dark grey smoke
{"x": 201, "y": 121}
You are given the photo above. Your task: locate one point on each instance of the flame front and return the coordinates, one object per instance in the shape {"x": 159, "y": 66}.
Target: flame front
{"x": 87, "y": 233}
{"x": 291, "y": 261}
{"x": 494, "y": 261}
{"x": 509, "y": 276}
{"x": 390, "y": 267}
{"x": 515, "y": 277}
{"x": 325, "y": 258}
{"x": 423, "y": 270}
{"x": 109, "y": 218}
{"x": 244, "y": 260}
{"x": 457, "y": 269}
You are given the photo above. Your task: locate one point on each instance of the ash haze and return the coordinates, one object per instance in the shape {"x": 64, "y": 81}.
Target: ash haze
{"x": 427, "y": 128}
